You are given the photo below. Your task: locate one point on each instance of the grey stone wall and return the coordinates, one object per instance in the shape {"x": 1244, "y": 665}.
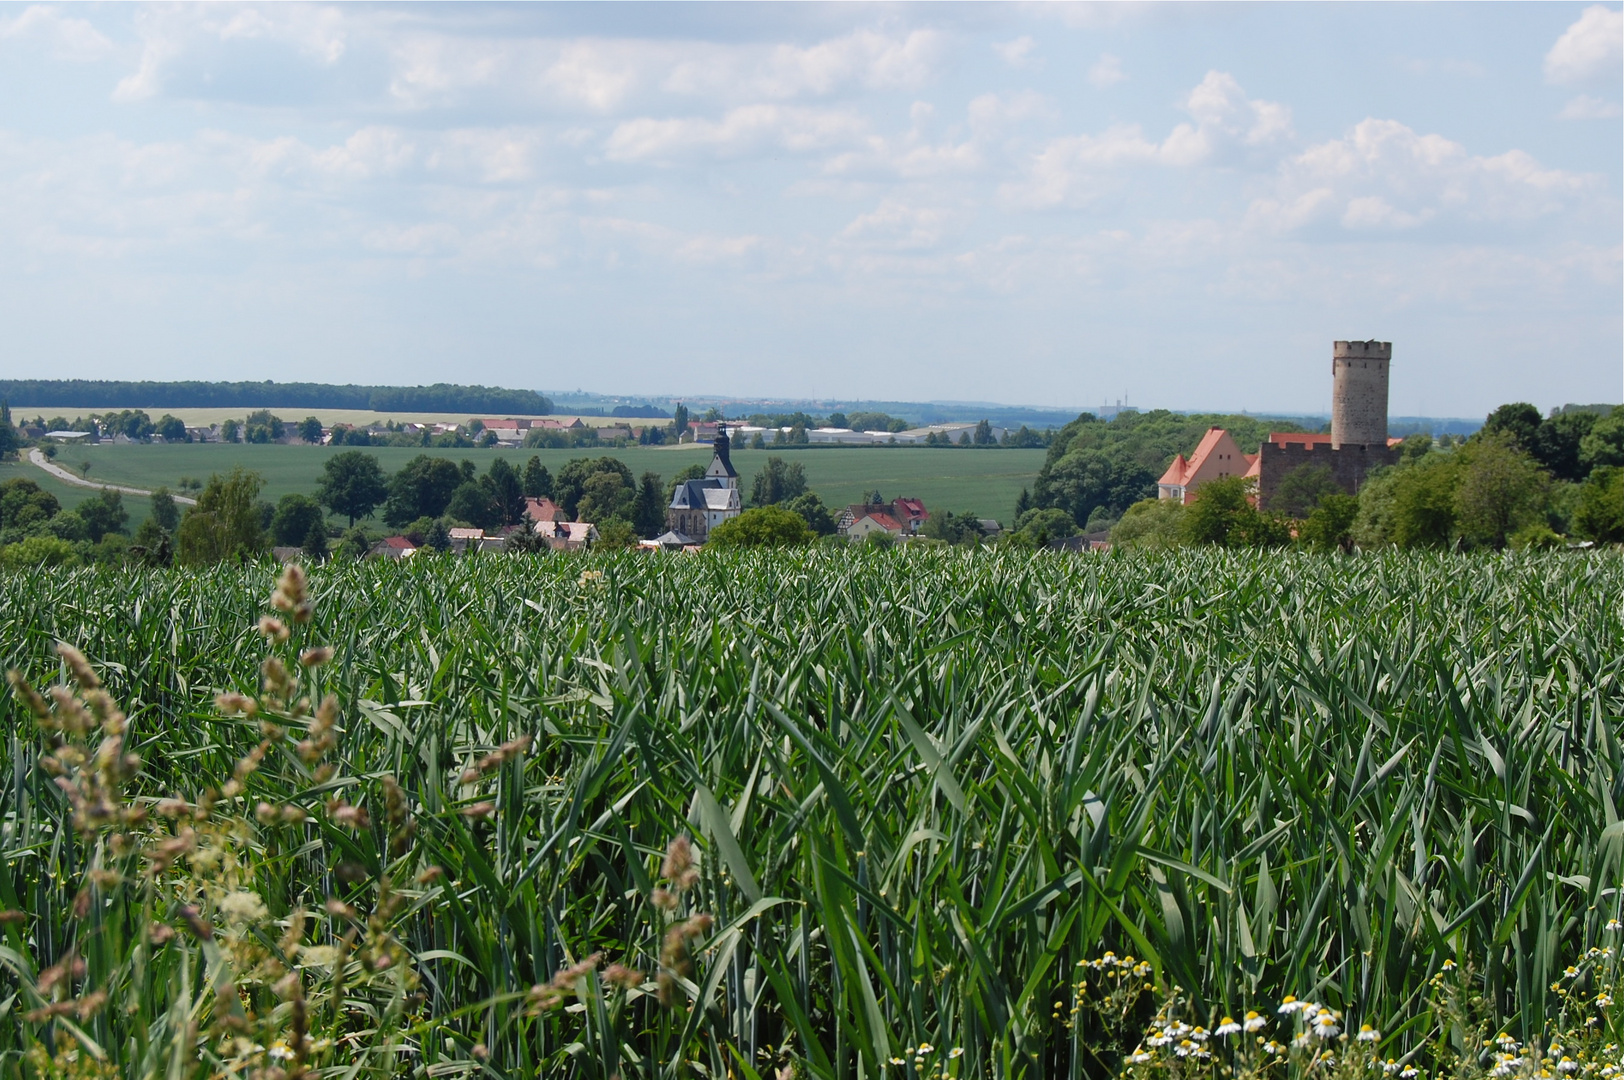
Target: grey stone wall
{"x": 1349, "y": 465}
{"x": 1359, "y": 392}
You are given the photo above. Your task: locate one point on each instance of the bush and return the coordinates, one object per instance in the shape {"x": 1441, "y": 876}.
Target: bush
{"x": 765, "y": 526}
{"x": 1330, "y": 525}
{"x": 38, "y": 552}
{"x": 1150, "y": 523}
{"x": 1600, "y": 513}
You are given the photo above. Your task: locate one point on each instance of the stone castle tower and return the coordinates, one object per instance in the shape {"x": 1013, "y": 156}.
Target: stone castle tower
{"x": 1359, "y": 393}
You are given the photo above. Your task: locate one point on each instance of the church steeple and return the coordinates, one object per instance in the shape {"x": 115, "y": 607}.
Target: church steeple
{"x": 721, "y": 466}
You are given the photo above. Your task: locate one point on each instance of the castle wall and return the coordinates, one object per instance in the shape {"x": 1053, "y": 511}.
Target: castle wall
{"x": 1349, "y": 464}
{"x": 1359, "y": 392}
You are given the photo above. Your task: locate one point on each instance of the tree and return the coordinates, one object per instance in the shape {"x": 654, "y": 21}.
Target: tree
{"x": 1023, "y": 502}
{"x": 1604, "y": 445}
{"x": 1600, "y": 513}
{"x": 421, "y": 489}
{"x": 1520, "y": 420}
{"x": 354, "y": 544}
{"x": 1044, "y": 527}
{"x": 1150, "y": 523}
{"x": 104, "y": 514}
{"x": 679, "y": 420}
{"x": 172, "y": 429}
{"x": 315, "y": 541}
{"x": 24, "y": 504}
{"x": 352, "y": 484}
{"x": 1421, "y": 504}
{"x": 507, "y": 491}
{"x": 764, "y": 526}
{"x": 873, "y": 498}
{"x": 8, "y": 433}
{"x": 1558, "y": 441}
{"x": 164, "y": 510}
{"x": 951, "y": 528}
{"x": 777, "y": 482}
{"x": 1302, "y": 489}
{"x": 473, "y": 504}
{"x": 438, "y": 537}
{"x": 1330, "y": 524}
{"x": 813, "y": 512}
{"x": 570, "y": 485}
{"x": 538, "y": 482}
{"x": 1414, "y": 448}
{"x": 606, "y": 495}
{"x": 262, "y": 427}
{"x": 1501, "y": 490}
{"x": 1083, "y": 482}
{"x": 1219, "y": 512}
{"x": 310, "y": 429}
{"x": 295, "y": 516}
{"x": 224, "y": 524}
{"x": 230, "y": 431}
{"x": 616, "y": 534}
{"x": 152, "y": 545}
{"x": 648, "y": 509}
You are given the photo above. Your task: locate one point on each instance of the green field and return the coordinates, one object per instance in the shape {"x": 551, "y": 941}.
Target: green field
{"x": 937, "y": 799}
{"x": 984, "y": 481}
{"x": 71, "y": 495}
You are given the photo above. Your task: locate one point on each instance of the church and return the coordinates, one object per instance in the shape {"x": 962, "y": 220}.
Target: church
{"x": 698, "y": 506}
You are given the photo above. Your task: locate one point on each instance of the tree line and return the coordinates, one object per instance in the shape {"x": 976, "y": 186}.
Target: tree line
{"x": 441, "y": 397}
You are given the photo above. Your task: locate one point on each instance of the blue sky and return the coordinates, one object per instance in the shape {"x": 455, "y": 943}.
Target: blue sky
{"x": 1035, "y": 204}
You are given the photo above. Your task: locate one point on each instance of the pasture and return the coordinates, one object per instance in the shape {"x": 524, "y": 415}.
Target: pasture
{"x": 984, "y": 481}
{"x": 936, "y": 801}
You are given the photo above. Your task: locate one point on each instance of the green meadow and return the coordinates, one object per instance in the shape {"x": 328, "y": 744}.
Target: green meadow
{"x": 986, "y": 482}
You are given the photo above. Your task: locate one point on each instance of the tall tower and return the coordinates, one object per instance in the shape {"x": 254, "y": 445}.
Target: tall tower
{"x": 1359, "y": 393}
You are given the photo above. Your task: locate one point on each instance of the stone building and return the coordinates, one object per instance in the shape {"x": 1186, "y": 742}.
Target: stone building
{"x": 1357, "y": 443}
{"x": 698, "y": 506}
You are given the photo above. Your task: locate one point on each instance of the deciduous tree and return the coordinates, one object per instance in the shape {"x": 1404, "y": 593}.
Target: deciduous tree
{"x": 352, "y": 484}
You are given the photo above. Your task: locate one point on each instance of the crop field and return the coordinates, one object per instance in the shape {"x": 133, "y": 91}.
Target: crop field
{"x": 829, "y": 814}
{"x": 71, "y": 495}
{"x": 984, "y": 481}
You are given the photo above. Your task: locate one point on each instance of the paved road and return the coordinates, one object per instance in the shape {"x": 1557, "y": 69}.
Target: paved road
{"x": 38, "y": 458}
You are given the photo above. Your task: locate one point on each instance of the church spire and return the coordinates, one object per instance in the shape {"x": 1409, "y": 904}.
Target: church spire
{"x": 721, "y": 464}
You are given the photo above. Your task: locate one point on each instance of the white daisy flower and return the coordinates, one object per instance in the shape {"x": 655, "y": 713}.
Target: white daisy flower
{"x": 1227, "y": 1026}
{"x": 1368, "y": 1034}
{"x": 1254, "y": 1022}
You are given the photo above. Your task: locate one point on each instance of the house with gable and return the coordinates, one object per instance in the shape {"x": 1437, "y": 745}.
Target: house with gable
{"x": 1216, "y": 456}
{"x": 698, "y": 506}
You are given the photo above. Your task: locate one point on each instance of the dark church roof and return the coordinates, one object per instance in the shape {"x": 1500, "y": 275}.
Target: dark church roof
{"x": 721, "y": 445}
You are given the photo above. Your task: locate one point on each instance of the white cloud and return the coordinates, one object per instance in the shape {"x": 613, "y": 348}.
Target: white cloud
{"x": 740, "y": 131}
{"x": 1107, "y": 71}
{"x": 1589, "y": 49}
{"x": 1018, "y": 53}
{"x": 1229, "y": 128}
{"x": 68, "y": 39}
{"x": 864, "y": 58}
{"x": 896, "y": 225}
{"x": 1585, "y": 107}
{"x": 1385, "y": 176}
{"x": 1227, "y": 122}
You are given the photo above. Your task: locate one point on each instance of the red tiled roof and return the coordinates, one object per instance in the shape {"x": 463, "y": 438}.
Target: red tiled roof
{"x": 398, "y": 542}
{"x": 543, "y": 509}
{"x": 914, "y": 508}
{"x": 1176, "y": 472}
{"x": 885, "y": 521}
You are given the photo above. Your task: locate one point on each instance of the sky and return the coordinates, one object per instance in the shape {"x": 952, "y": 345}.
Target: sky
{"x": 1055, "y": 205}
